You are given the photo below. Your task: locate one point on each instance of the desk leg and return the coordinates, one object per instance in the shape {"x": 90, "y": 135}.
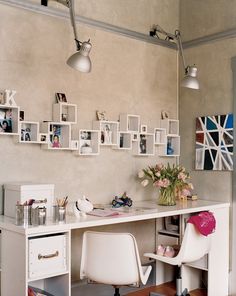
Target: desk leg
{"x": 218, "y": 264}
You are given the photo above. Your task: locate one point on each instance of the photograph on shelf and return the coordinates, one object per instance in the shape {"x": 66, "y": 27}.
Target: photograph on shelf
{"x": 143, "y": 128}
{"x": 55, "y": 138}
{"x": 85, "y": 142}
{"x": 135, "y": 137}
{"x": 25, "y": 133}
{"x": 61, "y": 98}
{"x": 22, "y": 115}
{"x": 143, "y": 144}
{"x": 43, "y": 138}
{"x": 101, "y": 115}
{"x": 106, "y": 134}
{"x": 5, "y": 120}
{"x": 165, "y": 114}
{"x": 64, "y": 117}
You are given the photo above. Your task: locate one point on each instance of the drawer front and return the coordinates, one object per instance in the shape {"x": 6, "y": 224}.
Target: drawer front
{"x": 47, "y": 255}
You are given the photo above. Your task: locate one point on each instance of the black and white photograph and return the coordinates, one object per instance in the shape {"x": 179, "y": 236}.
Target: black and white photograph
{"x": 25, "y": 134}
{"x": 143, "y": 144}
{"x": 143, "y": 128}
{"x": 61, "y": 98}
{"x": 106, "y": 134}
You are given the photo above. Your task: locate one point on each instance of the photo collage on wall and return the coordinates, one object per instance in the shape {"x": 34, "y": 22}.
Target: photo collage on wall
{"x": 214, "y": 143}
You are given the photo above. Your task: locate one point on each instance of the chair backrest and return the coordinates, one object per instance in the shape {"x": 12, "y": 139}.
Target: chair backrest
{"x": 110, "y": 258}
{"x": 194, "y": 245}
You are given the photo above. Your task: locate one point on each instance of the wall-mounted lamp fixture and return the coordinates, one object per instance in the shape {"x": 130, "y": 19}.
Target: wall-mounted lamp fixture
{"x": 190, "y": 77}
{"x": 80, "y": 60}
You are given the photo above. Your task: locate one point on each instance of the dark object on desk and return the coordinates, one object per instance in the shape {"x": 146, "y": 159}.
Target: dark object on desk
{"x": 122, "y": 201}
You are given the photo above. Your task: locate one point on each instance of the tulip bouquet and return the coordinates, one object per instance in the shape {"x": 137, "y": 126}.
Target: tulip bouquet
{"x": 171, "y": 181}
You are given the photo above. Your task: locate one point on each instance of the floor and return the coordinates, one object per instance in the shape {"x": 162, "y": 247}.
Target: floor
{"x": 167, "y": 289}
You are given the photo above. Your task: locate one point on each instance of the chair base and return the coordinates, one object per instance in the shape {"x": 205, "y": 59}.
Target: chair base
{"x": 117, "y": 292}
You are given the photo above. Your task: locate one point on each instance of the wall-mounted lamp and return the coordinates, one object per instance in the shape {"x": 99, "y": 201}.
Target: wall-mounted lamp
{"x": 190, "y": 77}
{"x": 80, "y": 60}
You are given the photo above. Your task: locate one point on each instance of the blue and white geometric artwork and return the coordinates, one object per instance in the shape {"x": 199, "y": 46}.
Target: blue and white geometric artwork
{"x": 214, "y": 142}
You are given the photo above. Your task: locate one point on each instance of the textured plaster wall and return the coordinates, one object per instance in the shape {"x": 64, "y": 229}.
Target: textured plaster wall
{"x": 198, "y": 18}
{"x": 128, "y": 76}
{"x": 205, "y": 17}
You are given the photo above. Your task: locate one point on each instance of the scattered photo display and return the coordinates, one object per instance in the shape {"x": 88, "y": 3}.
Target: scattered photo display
{"x": 5, "y": 120}
{"x": 55, "y": 138}
{"x": 214, "y": 142}
{"x": 25, "y": 132}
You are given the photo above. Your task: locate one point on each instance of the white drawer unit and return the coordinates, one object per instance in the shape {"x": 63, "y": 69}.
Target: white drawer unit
{"x": 47, "y": 256}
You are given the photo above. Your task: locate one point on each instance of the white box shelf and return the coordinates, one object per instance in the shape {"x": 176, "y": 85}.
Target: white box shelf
{"x": 29, "y": 132}
{"x": 129, "y": 123}
{"x": 109, "y": 132}
{"x": 171, "y": 126}
{"x": 172, "y": 147}
{"x": 124, "y": 141}
{"x": 160, "y": 136}
{"x": 9, "y": 120}
{"x": 89, "y": 142}
{"x": 65, "y": 112}
{"x": 145, "y": 145}
{"x": 59, "y": 135}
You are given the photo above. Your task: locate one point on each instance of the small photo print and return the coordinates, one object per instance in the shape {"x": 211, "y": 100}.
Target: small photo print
{"x": 25, "y": 134}
{"x": 22, "y": 115}
{"x": 5, "y": 126}
{"x": 55, "y": 138}
{"x": 143, "y": 144}
{"x": 60, "y": 98}
{"x": 143, "y": 128}
{"x": 84, "y": 135}
{"x": 101, "y": 115}
{"x": 43, "y": 138}
{"x": 106, "y": 134}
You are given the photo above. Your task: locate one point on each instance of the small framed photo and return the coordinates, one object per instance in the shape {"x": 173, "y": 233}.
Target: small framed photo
{"x": 106, "y": 134}
{"x": 135, "y": 137}
{"x": 143, "y": 128}
{"x": 22, "y": 115}
{"x": 143, "y": 144}
{"x": 61, "y": 98}
{"x": 101, "y": 115}
{"x": 25, "y": 134}
{"x": 43, "y": 138}
{"x": 165, "y": 114}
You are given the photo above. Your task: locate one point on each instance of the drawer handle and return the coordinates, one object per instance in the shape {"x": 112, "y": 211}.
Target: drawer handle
{"x": 48, "y": 256}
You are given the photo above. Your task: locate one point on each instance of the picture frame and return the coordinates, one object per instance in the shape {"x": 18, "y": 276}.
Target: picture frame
{"x": 135, "y": 137}
{"x": 143, "y": 128}
{"x": 143, "y": 144}
{"x": 106, "y": 134}
{"x": 165, "y": 114}
{"x": 101, "y": 115}
{"x": 61, "y": 98}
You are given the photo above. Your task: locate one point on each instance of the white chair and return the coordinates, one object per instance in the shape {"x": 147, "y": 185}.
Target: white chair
{"x": 113, "y": 259}
{"x": 194, "y": 246}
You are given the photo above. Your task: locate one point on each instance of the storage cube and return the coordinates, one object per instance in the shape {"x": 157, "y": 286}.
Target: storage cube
{"x": 23, "y": 192}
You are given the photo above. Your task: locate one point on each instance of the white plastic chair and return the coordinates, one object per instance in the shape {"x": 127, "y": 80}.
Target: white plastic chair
{"x": 194, "y": 246}
{"x": 113, "y": 259}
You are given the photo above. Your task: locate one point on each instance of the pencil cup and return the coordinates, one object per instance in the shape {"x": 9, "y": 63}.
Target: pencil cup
{"x": 23, "y": 215}
{"x": 55, "y": 213}
{"x": 38, "y": 216}
{"x": 61, "y": 214}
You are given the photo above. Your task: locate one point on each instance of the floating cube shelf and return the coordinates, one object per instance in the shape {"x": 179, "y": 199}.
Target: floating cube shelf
{"x": 172, "y": 147}
{"x": 129, "y": 123}
{"x": 160, "y": 136}
{"x": 65, "y": 112}
{"x": 145, "y": 145}
{"x": 109, "y": 132}
{"x": 124, "y": 141}
{"x": 29, "y": 132}
{"x": 9, "y": 120}
{"x": 89, "y": 142}
{"x": 171, "y": 126}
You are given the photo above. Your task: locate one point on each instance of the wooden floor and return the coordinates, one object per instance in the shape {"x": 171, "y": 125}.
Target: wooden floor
{"x": 167, "y": 289}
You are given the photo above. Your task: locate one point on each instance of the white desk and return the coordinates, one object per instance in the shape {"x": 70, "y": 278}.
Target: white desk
{"x": 15, "y": 247}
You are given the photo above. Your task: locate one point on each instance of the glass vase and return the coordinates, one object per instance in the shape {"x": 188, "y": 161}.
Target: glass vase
{"x": 167, "y": 196}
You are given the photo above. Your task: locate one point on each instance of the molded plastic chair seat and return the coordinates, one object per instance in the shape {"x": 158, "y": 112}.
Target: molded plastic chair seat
{"x": 194, "y": 246}
{"x": 112, "y": 258}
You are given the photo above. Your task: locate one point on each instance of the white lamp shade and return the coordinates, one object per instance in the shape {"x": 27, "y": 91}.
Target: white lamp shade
{"x": 80, "y": 60}
{"x": 190, "y": 79}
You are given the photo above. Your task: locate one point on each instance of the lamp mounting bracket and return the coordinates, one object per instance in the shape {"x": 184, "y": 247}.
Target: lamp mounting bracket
{"x": 66, "y": 3}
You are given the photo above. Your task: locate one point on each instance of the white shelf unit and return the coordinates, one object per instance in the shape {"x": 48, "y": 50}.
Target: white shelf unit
{"x": 124, "y": 141}
{"x": 9, "y": 120}
{"x": 65, "y": 112}
{"x": 29, "y": 133}
{"x": 59, "y": 135}
{"x": 172, "y": 146}
{"x": 160, "y": 136}
{"x": 171, "y": 126}
{"x": 145, "y": 145}
{"x": 108, "y": 132}
{"x": 129, "y": 123}
{"x": 89, "y": 142}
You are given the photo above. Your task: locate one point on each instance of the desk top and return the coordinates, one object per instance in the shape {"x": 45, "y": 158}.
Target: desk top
{"x": 140, "y": 211}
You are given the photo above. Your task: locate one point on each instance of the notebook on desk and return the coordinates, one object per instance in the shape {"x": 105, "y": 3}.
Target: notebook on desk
{"x": 103, "y": 213}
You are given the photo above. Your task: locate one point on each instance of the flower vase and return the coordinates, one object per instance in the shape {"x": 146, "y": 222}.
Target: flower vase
{"x": 167, "y": 196}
